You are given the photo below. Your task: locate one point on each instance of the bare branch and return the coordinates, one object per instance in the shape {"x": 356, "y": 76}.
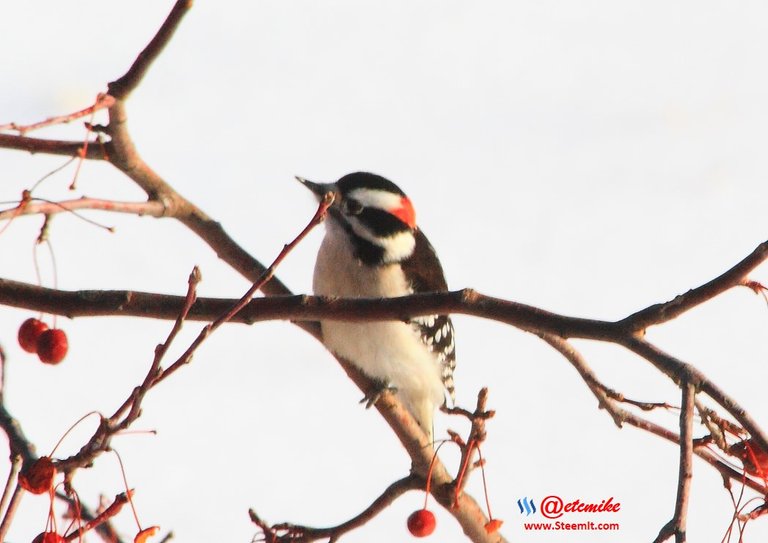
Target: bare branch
{"x": 10, "y": 482}
{"x": 622, "y": 416}
{"x": 18, "y": 441}
{"x": 52, "y": 147}
{"x": 305, "y": 308}
{"x": 476, "y": 437}
{"x": 153, "y": 209}
{"x": 677, "y": 526}
{"x": 164, "y": 201}
{"x": 94, "y": 522}
{"x": 102, "y": 101}
{"x": 130, "y": 409}
{"x": 680, "y": 372}
{"x": 306, "y": 534}
{"x": 663, "y": 312}
{"x": 122, "y": 87}
{"x": 10, "y": 512}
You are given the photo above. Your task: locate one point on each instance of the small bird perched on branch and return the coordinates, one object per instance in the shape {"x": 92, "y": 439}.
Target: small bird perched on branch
{"x": 373, "y": 249}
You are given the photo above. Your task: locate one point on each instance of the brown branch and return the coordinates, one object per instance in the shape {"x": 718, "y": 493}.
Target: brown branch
{"x": 677, "y": 526}
{"x": 122, "y": 87}
{"x": 153, "y": 209}
{"x": 476, "y": 437}
{"x": 19, "y": 443}
{"x": 304, "y": 308}
{"x": 133, "y": 404}
{"x": 10, "y": 512}
{"x": 243, "y": 301}
{"x": 622, "y": 416}
{"x": 102, "y": 101}
{"x": 52, "y": 147}
{"x": 10, "y": 482}
{"x": 130, "y": 409}
{"x": 466, "y": 510}
{"x": 94, "y": 522}
{"x": 306, "y": 534}
{"x": 664, "y": 312}
{"x": 680, "y": 372}
{"x": 123, "y": 154}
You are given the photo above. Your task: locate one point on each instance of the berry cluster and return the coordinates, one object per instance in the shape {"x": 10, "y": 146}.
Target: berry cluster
{"x": 50, "y": 344}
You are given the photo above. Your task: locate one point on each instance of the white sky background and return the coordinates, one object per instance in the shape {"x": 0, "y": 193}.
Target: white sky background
{"x": 590, "y": 158}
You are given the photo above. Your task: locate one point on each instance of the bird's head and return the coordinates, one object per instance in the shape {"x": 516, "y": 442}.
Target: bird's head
{"x": 374, "y": 213}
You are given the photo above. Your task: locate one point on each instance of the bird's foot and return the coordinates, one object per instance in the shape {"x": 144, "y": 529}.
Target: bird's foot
{"x": 375, "y": 394}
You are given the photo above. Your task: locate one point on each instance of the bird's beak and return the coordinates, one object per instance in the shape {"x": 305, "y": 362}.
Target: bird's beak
{"x": 318, "y": 189}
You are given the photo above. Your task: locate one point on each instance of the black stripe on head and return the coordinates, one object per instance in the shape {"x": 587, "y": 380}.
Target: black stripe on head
{"x": 366, "y": 252}
{"x": 367, "y": 181}
{"x": 381, "y": 223}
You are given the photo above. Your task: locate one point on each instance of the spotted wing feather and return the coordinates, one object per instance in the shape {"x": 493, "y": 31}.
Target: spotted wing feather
{"x": 436, "y": 331}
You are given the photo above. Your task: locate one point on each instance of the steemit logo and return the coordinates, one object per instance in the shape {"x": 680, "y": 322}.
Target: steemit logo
{"x": 526, "y": 505}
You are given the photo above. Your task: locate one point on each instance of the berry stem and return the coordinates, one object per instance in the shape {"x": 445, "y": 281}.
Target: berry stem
{"x": 128, "y": 491}
{"x": 81, "y": 419}
{"x": 460, "y": 479}
{"x": 429, "y": 473}
{"x": 485, "y": 484}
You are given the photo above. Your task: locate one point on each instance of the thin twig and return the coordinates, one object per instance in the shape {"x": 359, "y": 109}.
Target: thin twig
{"x": 677, "y": 526}
{"x": 10, "y": 513}
{"x": 16, "y": 462}
{"x": 680, "y": 372}
{"x": 622, "y": 416}
{"x": 664, "y": 312}
{"x": 52, "y": 147}
{"x": 246, "y": 298}
{"x": 122, "y": 87}
{"x": 102, "y": 101}
{"x": 113, "y": 509}
{"x": 476, "y": 437}
{"x": 18, "y": 441}
{"x": 151, "y": 209}
{"x": 130, "y": 409}
{"x": 284, "y": 532}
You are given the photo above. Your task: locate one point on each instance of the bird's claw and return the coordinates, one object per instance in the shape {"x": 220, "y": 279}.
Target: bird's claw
{"x": 375, "y": 394}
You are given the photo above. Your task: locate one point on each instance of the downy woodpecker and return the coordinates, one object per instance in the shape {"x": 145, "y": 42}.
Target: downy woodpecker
{"x": 373, "y": 249}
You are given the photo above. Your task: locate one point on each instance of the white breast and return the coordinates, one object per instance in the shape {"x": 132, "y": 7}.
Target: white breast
{"x": 389, "y": 351}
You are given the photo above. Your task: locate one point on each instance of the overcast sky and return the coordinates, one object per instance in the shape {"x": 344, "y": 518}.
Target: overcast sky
{"x": 590, "y": 158}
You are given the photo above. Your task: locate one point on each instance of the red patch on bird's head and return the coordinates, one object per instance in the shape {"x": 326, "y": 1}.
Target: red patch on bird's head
{"x": 405, "y": 212}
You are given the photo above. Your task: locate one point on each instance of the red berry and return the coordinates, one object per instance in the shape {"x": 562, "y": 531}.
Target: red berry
{"x": 754, "y": 458}
{"x": 49, "y": 537}
{"x": 37, "y": 477}
{"x": 145, "y": 534}
{"x": 29, "y": 331}
{"x": 52, "y": 346}
{"x": 421, "y": 523}
{"x": 493, "y": 525}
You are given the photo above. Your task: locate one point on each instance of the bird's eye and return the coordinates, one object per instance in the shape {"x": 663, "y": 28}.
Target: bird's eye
{"x": 352, "y": 207}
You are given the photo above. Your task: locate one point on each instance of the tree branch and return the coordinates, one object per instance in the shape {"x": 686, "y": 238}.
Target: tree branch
{"x": 677, "y": 526}
{"x": 167, "y": 202}
{"x": 102, "y": 101}
{"x": 623, "y": 416}
{"x": 52, "y": 147}
{"x": 680, "y": 373}
{"x": 663, "y": 312}
{"x": 306, "y": 534}
{"x": 121, "y": 88}
{"x": 152, "y": 209}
